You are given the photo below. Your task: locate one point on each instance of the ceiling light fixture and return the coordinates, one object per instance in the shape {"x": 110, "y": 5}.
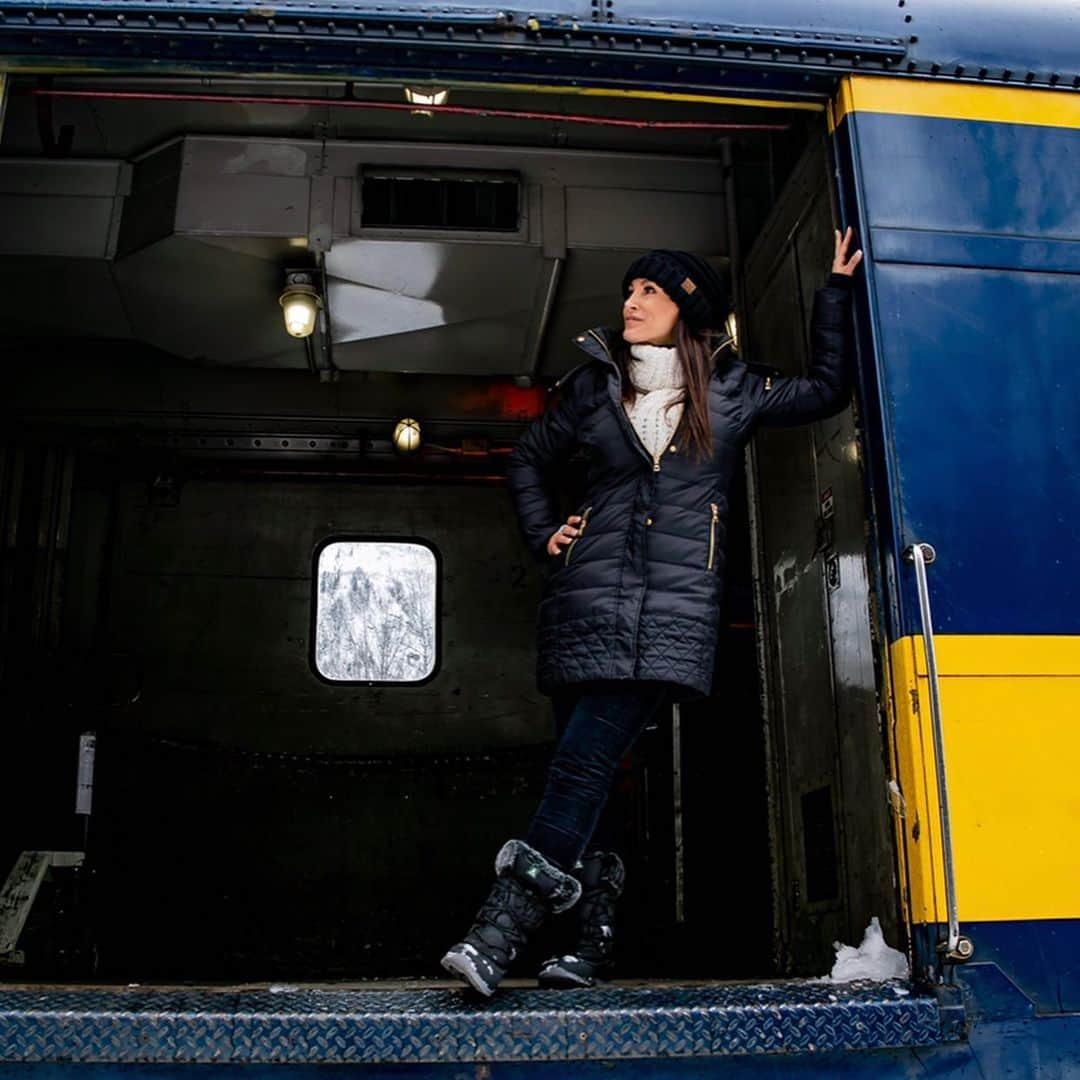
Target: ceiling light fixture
{"x": 300, "y": 302}
{"x": 407, "y": 435}
{"x": 426, "y": 95}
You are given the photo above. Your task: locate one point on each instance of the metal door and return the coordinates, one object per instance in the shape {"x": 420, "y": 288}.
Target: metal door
{"x": 828, "y": 788}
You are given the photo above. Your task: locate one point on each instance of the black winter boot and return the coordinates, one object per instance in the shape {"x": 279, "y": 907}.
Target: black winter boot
{"x": 602, "y": 875}
{"x": 527, "y": 889}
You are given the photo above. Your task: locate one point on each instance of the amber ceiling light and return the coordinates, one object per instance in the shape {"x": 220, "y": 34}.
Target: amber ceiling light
{"x": 300, "y": 303}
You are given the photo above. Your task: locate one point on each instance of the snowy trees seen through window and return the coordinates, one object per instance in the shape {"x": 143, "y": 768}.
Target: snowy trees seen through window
{"x": 375, "y": 617}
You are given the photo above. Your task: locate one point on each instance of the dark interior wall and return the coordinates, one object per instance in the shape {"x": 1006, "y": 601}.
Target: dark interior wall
{"x": 212, "y": 599}
{"x": 275, "y": 823}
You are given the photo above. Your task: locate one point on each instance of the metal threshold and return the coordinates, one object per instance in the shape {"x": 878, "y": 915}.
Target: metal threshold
{"x": 431, "y": 1022}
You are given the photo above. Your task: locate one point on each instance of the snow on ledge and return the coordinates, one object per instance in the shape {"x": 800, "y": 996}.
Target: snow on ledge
{"x": 873, "y": 960}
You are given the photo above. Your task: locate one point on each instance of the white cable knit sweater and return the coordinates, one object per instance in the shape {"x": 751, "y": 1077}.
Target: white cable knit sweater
{"x": 657, "y": 409}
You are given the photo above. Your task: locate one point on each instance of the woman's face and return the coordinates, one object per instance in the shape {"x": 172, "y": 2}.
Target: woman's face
{"x": 649, "y": 314}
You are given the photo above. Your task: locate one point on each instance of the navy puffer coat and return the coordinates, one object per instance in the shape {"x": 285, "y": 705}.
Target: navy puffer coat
{"x": 638, "y": 594}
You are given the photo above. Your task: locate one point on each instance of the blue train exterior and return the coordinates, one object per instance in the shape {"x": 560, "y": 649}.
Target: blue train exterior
{"x": 955, "y": 134}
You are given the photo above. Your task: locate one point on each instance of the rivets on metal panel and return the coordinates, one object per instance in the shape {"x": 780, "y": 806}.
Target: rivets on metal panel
{"x": 856, "y": 60}
{"x": 212, "y": 23}
{"x": 802, "y": 56}
{"x": 390, "y": 30}
{"x": 748, "y": 51}
{"x": 830, "y": 57}
{"x": 479, "y": 34}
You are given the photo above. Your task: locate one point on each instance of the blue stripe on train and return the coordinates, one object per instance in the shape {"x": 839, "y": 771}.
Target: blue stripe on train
{"x": 971, "y": 226}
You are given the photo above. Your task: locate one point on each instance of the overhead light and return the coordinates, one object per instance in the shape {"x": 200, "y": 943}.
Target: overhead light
{"x": 300, "y": 303}
{"x": 407, "y": 435}
{"x": 425, "y": 95}
{"x": 732, "y": 329}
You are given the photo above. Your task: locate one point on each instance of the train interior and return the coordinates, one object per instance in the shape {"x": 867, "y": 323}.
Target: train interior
{"x": 303, "y": 650}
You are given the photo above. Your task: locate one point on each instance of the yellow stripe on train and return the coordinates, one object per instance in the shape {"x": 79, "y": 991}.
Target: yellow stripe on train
{"x": 1010, "y": 707}
{"x": 955, "y": 101}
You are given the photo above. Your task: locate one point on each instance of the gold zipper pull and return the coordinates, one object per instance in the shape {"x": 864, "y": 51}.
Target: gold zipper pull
{"x": 712, "y": 535}
{"x": 656, "y": 463}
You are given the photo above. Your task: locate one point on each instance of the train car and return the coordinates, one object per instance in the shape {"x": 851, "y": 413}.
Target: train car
{"x": 267, "y": 664}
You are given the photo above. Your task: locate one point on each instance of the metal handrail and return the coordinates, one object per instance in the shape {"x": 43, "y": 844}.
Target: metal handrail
{"x": 956, "y": 947}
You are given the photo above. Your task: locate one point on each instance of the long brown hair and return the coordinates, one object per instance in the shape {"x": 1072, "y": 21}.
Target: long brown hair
{"x": 695, "y": 351}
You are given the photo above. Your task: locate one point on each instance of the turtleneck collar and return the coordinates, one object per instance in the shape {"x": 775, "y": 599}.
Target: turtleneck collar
{"x": 655, "y": 367}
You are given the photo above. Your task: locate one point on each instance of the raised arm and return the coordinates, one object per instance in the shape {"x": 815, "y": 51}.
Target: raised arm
{"x": 780, "y": 400}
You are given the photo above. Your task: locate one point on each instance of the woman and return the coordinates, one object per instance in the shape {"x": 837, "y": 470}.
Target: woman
{"x": 630, "y": 612}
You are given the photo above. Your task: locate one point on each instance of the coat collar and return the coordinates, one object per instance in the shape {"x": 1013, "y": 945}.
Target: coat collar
{"x": 599, "y": 343}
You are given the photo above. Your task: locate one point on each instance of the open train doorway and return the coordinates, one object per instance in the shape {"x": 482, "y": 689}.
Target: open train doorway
{"x": 178, "y": 467}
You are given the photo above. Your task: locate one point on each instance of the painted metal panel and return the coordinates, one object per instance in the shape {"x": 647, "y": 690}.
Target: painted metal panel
{"x": 933, "y": 173}
{"x": 972, "y": 318}
{"x": 982, "y": 395}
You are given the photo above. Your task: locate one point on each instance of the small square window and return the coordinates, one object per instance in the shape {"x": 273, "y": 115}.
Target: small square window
{"x": 376, "y": 611}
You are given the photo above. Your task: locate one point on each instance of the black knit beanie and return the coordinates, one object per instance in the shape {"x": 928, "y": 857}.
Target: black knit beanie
{"x": 702, "y": 294}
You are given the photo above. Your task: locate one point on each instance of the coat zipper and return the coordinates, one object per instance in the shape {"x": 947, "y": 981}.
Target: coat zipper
{"x": 581, "y": 533}
{"x": 712, "y": 534}
{"x": 654, "y": 458}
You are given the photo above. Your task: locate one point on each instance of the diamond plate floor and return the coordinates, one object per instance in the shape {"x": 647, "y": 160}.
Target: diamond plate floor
{"x": 317, "y": 1026}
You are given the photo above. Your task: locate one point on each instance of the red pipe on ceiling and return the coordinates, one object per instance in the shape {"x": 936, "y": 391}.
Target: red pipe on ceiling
{"x": 397, "y": 106}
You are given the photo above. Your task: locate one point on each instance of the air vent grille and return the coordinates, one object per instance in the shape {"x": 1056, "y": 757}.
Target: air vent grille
{"x": 442, "y": 199}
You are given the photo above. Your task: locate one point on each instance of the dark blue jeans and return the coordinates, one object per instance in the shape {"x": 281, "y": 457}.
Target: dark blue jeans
{"x": 596, "y": 727}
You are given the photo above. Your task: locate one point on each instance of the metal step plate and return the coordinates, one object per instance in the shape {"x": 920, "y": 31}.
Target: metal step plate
{"x": 319, "y": 1026}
